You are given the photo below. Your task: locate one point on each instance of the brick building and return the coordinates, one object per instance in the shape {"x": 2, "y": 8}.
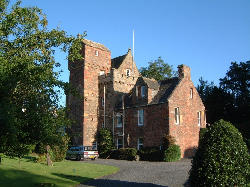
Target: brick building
{"x": 138, "y": 110}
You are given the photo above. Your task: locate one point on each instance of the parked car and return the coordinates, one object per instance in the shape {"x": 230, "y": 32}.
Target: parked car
{"x": 82, "y": 152}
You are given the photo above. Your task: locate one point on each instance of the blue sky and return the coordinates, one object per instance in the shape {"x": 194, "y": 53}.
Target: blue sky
{"x": 206, "y": 35}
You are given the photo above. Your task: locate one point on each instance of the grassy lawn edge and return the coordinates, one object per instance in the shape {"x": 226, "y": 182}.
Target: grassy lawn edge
{"x": 65, "y": 173}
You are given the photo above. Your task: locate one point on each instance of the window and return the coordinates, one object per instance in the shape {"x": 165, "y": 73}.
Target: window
{"x": 191, "y": 93}
{"x": 177, "y": 115}
{"x": 136, "y": 90}
{"x": 140, "y": 143}
{"x": 102, "y": 100}
{"x": 103, "y": 124}
{"x": 143, "y": 91}
{"x": 199, "y": 118}
{"x": 102, "y": 73}
{"x": 140, "y": 117}
{"x": 128, "y": 72}
{"x": 119, "y": 143}
{"x": 96, "y": 53}
{"x": 119, "y": 120}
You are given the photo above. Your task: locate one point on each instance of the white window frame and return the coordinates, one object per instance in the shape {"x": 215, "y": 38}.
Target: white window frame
{"x": 139, "y": 143}
{"x": 199, "y": 118}
{"x": 140, "y": 114}
{"x": 128, "y": 72}
{"x": 143, "y": 91}
{"x": 191, "y": 93}
{"x": 177, "y": 115}
{"x": 96, "y": 53}
{"x": 119, "y": 125}
{"x": 117, "y": 142}
{"x": 101, "y": 72}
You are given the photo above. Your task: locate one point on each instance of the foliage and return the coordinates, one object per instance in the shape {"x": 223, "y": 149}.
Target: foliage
{"x": 59, "y": 151}
{"x": 172, "y": 154}
{"x": 150, "y": 154}
{"x": 29, "y": 109}
{"x": 202, "y": 132}
{"x": 231, "y": 100}
{"x": 104, "y": 142}
{"x": 167, "y": 141}
{"x": 124, "y": 154}
{"x": 63, "y": 174}
{"x": 158, "y": 70}
{"x": 221, "y": 159}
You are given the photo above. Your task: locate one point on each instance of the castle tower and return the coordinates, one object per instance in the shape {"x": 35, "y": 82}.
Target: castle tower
{"x": 85, "y": 77}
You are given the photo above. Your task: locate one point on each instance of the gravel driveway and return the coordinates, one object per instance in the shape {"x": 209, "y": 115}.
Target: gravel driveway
{"x": 142, "y": 174}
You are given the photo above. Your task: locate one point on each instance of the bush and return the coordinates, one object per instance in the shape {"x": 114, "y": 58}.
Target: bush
{"x": 202, "y": 132}
{"x": 221, "y": 159}
{"x": 124, "y": 154}
{"x": 167, "y": 141}
{"x": 104, "y": 142}
{"x": 172, "y": 154}
{"x": 150, "y": 154}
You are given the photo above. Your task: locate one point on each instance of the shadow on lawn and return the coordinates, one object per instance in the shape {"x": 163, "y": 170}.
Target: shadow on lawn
{"x": 106, "y": 182}
{"x": 12, "y": 177}
{"x": 115, "y": 183}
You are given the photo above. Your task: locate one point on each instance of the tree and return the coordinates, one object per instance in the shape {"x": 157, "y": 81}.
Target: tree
{"x": 104, "y": 142}
{"x": 221, "y": 159}
{"x": 158, "y": 70}
{"x": 29, "y": 109}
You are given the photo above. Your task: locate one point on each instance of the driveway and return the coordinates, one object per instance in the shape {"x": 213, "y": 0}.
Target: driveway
{"x": 142, "y": 174}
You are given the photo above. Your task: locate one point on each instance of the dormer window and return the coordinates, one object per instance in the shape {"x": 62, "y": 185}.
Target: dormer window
{"x": 143, "y": 91}
{"x": 96, "y": 53}
{"x": 128, "y": 72}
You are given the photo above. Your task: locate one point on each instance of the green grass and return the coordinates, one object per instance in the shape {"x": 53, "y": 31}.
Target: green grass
{"x": 65, "y": 173}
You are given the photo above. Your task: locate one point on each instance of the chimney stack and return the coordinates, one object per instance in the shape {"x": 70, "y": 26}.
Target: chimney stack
{"x": 184, "y": 72}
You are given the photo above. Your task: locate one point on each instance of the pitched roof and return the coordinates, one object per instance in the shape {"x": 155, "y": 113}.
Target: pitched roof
{"x": 167, "y": 86}
{"x": 151, "y": 83}
{"x": 116, "y": 62}
{"x": 95, "y": 44}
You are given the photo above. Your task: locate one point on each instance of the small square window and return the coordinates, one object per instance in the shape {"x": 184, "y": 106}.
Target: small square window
{"x": 177, "y": 115}
{"x": 119, "y": 143}
{"x": 119, "y": 120}
{"x": 199, "y": 118}
{"x": 102, "y": 73}
{"x": 102, "y": 100}
{"x": 191, "y": 93}
{"x": 96, "y": 53}
{"x": 143, "y": 91}
{"x": 140, "y": 143}
{"x": 128, "y": 72}
{"x": 140, "y": 117}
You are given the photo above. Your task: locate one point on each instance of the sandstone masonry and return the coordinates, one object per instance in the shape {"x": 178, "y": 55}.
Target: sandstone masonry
{"x": 139, "y": 111}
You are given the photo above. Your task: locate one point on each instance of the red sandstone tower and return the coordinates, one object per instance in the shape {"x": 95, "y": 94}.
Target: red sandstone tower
{"x": 84, "y": 76}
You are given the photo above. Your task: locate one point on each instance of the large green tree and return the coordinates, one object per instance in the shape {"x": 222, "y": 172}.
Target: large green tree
{"x": 158, "y": 70}
{"x": 29, "y": 109}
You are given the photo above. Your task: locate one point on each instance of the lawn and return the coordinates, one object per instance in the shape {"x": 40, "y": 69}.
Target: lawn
{"x": 65, "y": 173}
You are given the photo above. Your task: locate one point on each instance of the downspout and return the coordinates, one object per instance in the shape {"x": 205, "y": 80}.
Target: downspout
{"x": 113, "y": 126}
{"x": 123, "y": 121}
{"x": 104, "y": 103}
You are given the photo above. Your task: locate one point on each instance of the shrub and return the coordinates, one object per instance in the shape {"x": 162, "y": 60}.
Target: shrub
{"x": 202, "y": 132}
{"x": 104, "y": 142}
{"x": 167, "y": 141}
{"x": 150, "y": 154}
{"x": 124, "y": 154}
{"x": 221, "y": 159}
{"x": 172, "y": 154}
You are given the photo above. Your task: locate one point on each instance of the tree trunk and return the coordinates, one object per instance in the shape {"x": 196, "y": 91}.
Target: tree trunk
{"x": 49, "y": 161}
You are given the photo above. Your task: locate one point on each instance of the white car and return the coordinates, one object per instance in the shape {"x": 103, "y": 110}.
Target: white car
{"x": 79, "y": 152}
